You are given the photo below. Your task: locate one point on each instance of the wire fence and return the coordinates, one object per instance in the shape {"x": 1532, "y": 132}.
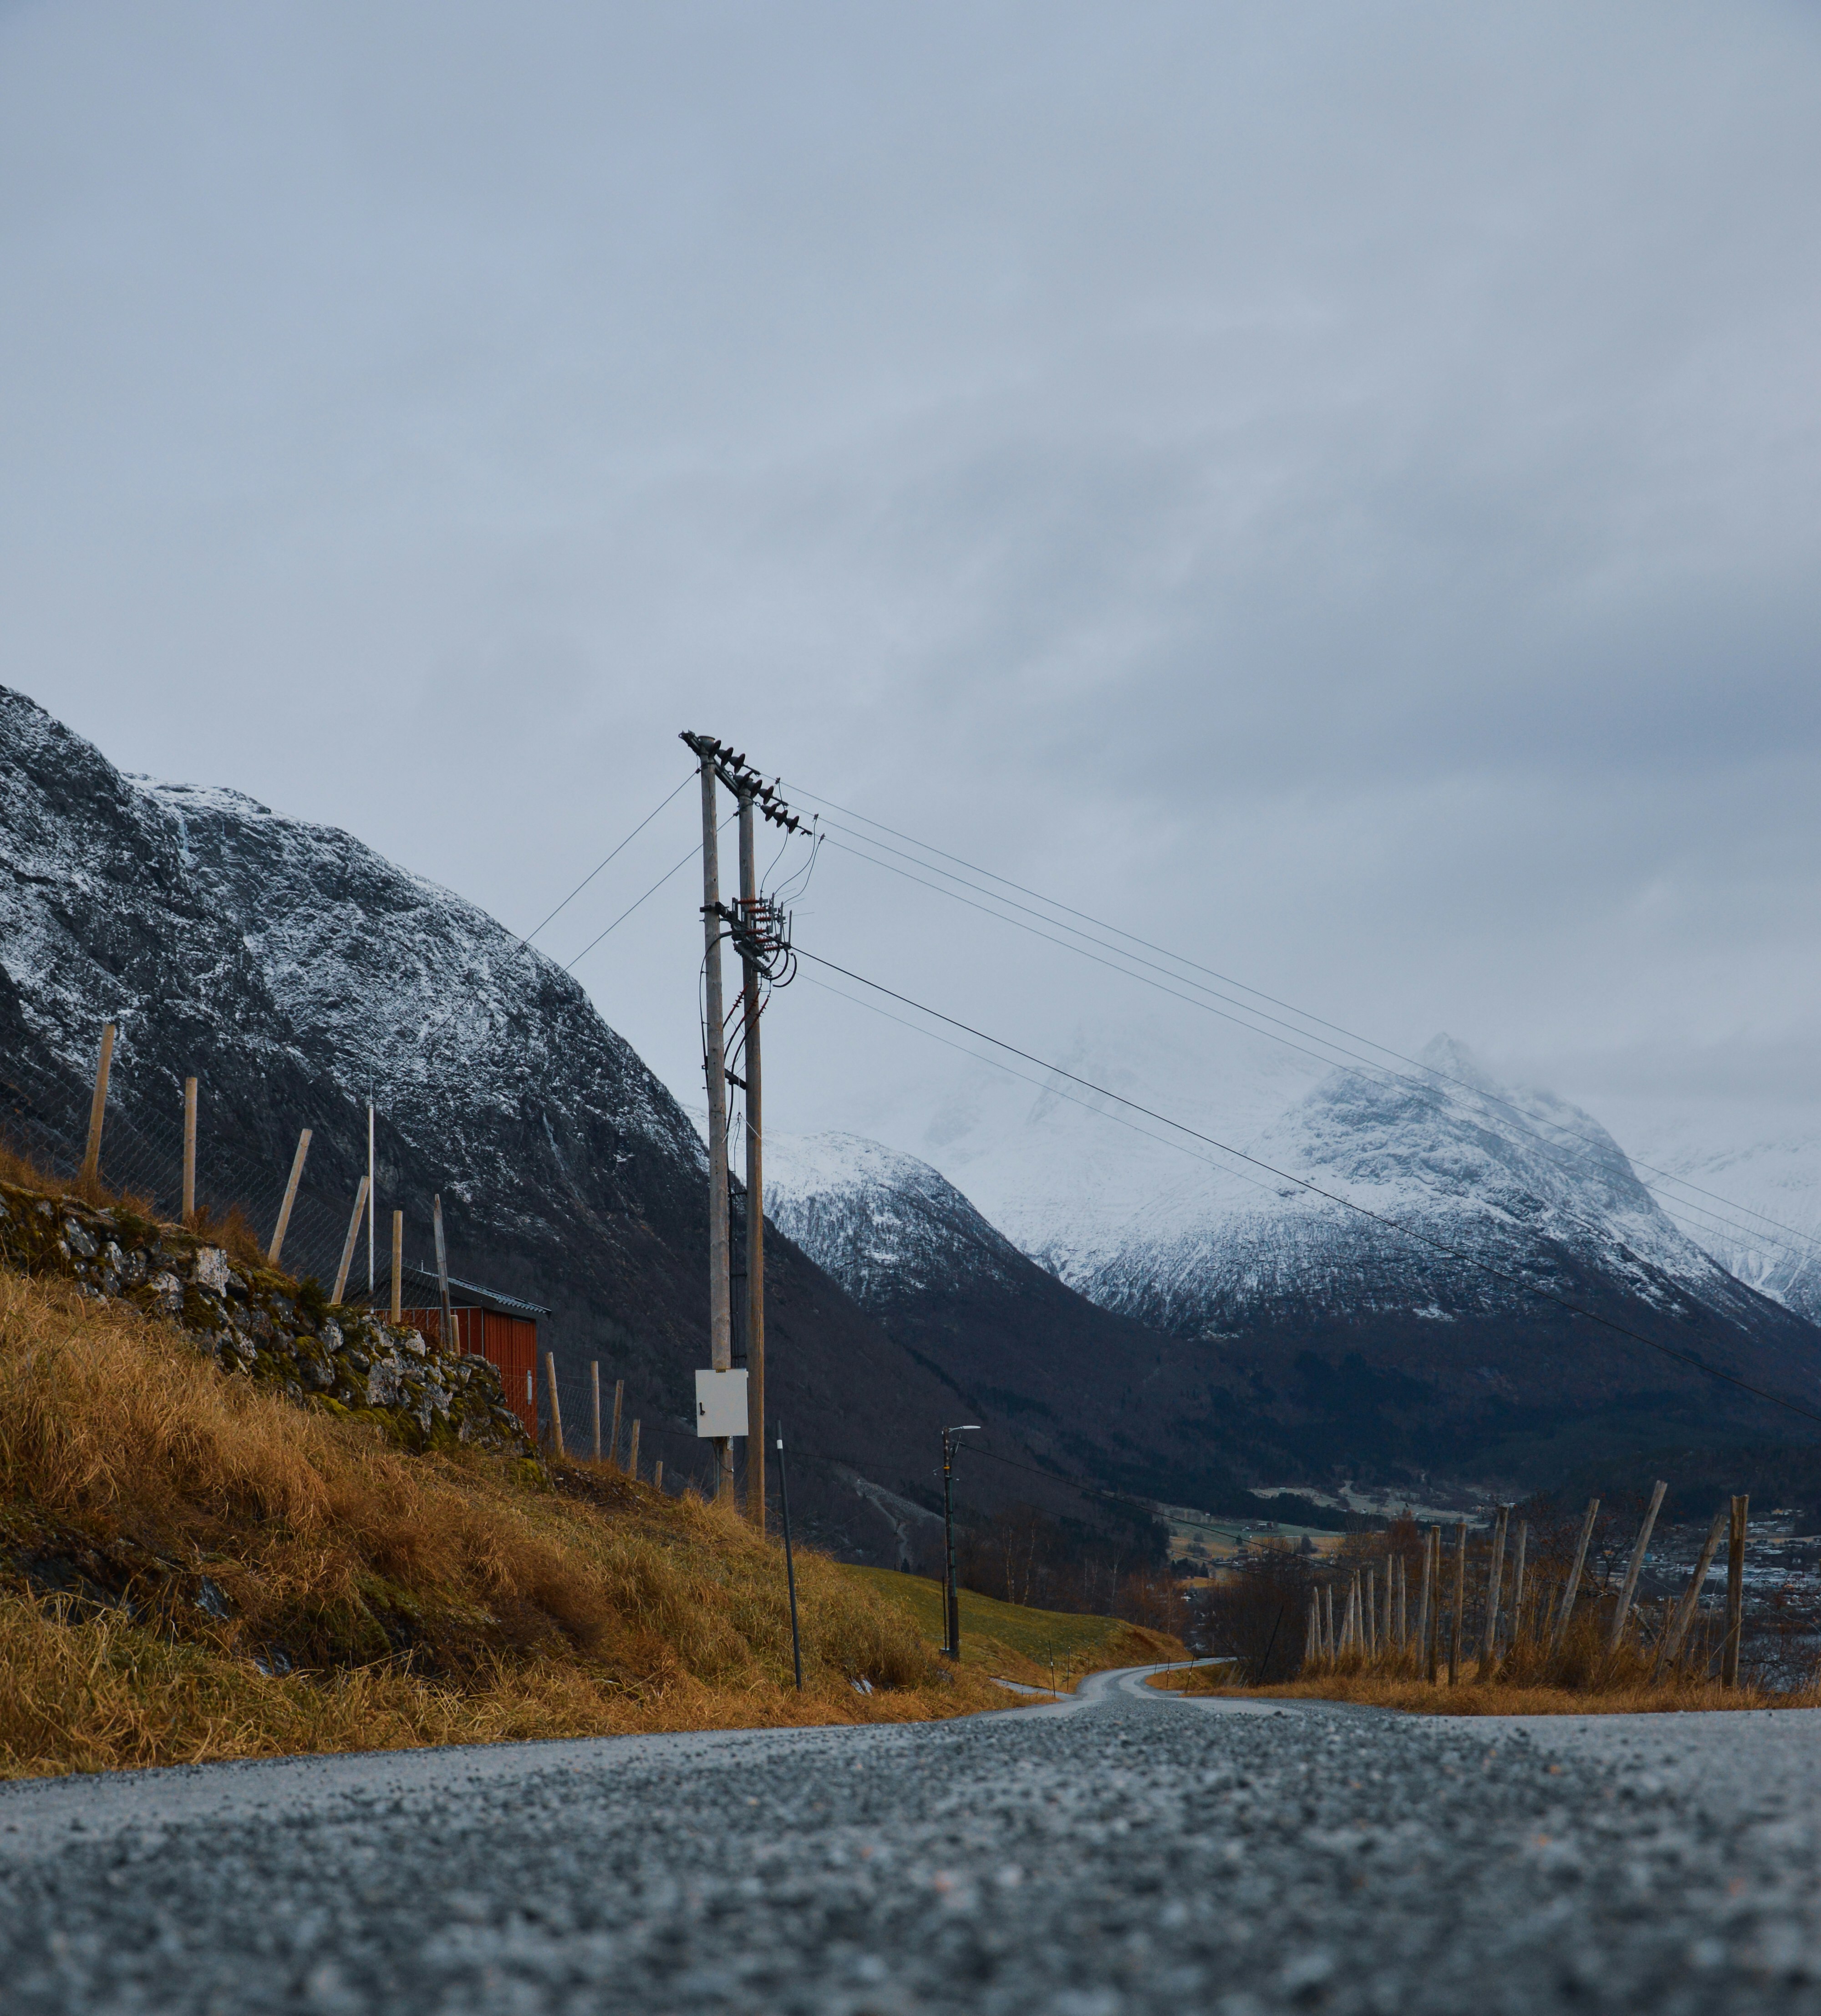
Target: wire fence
{"x": 44, "y": 1116}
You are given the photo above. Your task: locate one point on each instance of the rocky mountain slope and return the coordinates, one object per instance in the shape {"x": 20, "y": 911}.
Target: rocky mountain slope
{"x": 1081, "y": 1382}
{"x": 1316, "y": 1338}
{"x": 293, "y": 970}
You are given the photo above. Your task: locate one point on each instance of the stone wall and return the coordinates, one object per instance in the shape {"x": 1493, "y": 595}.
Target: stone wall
{"x": 261, "y": 1325}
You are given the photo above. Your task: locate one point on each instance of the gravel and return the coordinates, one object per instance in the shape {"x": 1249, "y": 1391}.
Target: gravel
{"x": 1121, "y": 1852}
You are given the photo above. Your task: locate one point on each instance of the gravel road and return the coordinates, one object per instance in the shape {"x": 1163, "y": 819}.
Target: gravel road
{"x": 1121, "y": 1852}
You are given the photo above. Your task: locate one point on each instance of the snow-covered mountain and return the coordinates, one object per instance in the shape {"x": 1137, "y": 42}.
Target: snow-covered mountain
{"x": 1743, "y": 1179}
{"x": 1483, "y": 1175}
{"x": 1362, "y": 1282}
{"x": 292, "y": 969}
{"x": 884, "y": 1224}
{"x": 1094, "y": 1393}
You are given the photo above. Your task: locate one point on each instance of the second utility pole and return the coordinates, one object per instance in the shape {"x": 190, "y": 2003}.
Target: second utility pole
{"x": 755, "y": 1201}
{"x": 720, "y": 1292}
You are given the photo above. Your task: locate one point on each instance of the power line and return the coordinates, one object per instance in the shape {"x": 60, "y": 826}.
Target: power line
{"x": 593, "y": 872}
{"x": 1332, "y": 1197}
{"x": 1383, "y": 1075}
{"x": 1588, "y": 1146}
{"x": 652, "y": 892}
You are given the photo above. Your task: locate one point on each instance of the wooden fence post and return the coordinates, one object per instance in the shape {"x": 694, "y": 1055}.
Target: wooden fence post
{"x": 1368, "y": 1615}
{"x": 1735, "y": 1592}
{"x": 619, "y": 1401}
{"x": 1311, "y": 1636}
{"x": 1571, "y": 1588}
{"x": 1422, "y": 1639}
{"x": 446, "y": 1318}
{"x": 398, "y": 1266}
{"x": 632, "y": 1453}
{"x": 1677, "y": 1629}
{"x": 1495, "y": 1586}
{"x": 354, "y": 1233}
{"x": 1621, "y": 1615}
{"x": 594, "y": 1402}
{"x": 98, "y": 1107}
{"x": 283, "y": 1225}
{"x": 1517, "y": 1585}
{"x": 555, "y": 1404}
{"x": 1455, "y": 1645}
{"x": 189, "y": 1151}
{"x": 657, "y": 1475}
{"x": 1328, "y": 1646}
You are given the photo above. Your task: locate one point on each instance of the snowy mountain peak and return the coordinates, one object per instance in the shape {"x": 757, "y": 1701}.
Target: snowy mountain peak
{"x": 876, "y": 1220}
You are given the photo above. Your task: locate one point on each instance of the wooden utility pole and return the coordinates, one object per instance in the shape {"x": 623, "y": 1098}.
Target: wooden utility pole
{"x": 714, "y": 1064}
{"x": 97, "y": 1106}
{"x": 189, "y": 1151}
{"x": 283, "y": 1225}
{"x": 354, "y": 1233}
{"x": 1735, "y": 1592}
{"x": 398, "y": 1266}
{"x": 755, "y": 1186}
{"x": 1622, "y": 1615}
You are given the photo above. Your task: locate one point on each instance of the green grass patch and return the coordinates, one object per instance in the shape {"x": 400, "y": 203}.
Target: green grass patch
{"x": 1018, "y": 1642}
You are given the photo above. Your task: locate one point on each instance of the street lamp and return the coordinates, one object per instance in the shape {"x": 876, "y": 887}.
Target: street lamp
{"x": 952, "y": 1649}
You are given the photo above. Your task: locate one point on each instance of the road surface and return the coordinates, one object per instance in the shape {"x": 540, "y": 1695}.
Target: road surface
{"x": 1119, "y": 1851}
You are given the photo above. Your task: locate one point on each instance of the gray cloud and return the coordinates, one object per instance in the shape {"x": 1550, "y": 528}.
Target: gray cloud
{"x": 1338, "y": 488}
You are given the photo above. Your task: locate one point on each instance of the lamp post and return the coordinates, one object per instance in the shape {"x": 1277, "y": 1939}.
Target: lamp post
{"x": 952, "y": 1649}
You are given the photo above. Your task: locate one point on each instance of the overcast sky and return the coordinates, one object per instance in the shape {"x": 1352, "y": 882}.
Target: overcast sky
{"x": 1336, "y": 488}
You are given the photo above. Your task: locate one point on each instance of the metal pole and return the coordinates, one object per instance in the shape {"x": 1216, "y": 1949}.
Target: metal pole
{"x": 189, "y": 1151}
{"x": 952, "y": 1620}
{"x": 755, "y": 1212}
{"x": 790, "y": 1564}
{"x": 714, "y": 1064}
{"x": 1735, "y": 1592}
{"x": 449, "y": 1314}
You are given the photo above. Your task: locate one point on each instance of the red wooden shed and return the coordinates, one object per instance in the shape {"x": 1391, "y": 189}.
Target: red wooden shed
{"x": 499, "y": 1328}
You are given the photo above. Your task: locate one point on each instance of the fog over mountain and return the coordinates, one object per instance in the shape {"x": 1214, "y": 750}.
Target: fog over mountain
{"x": 1404, "y": 1302}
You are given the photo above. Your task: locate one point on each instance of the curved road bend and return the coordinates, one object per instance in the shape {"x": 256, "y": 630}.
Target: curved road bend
{"x": 1118, "y": 1851}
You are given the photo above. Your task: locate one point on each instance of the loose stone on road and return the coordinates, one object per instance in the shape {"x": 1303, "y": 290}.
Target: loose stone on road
{"x": 1121, "y": 1852}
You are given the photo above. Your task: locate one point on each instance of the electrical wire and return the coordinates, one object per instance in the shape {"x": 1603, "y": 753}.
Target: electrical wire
{"x": 1384, "y": 1077}
{"x": 1332, "y": 1197}
{"x": 593, "y": 872}
{"x": 1576, "y": 1141}
{"x": 571, "y": 964}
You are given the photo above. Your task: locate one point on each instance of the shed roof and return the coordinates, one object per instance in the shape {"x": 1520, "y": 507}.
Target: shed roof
{"x": 419, "y": 1289}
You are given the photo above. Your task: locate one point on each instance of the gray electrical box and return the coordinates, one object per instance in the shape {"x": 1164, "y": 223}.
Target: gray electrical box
{"x": 721, "y": 1403}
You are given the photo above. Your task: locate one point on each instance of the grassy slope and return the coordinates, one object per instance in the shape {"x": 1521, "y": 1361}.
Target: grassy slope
{"x": 163, "y": 1524}
{"x": 1017, "y": 1643}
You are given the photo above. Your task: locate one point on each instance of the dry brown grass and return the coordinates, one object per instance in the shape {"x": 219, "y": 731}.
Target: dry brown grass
{"x": 423, "y": 1599}
{"x": 1582, "y": 1677}
{"x": 1475, "y": 1696}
